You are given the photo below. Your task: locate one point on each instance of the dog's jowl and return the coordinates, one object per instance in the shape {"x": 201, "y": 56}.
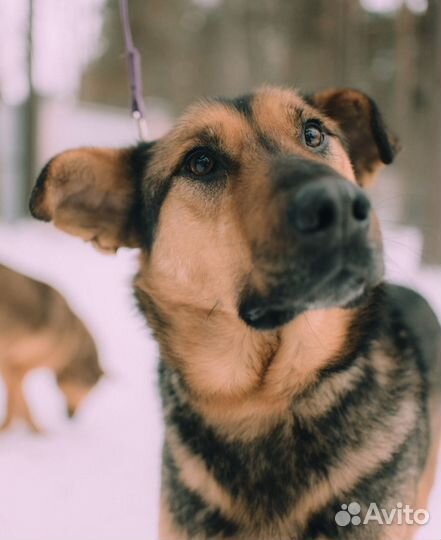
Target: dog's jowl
{"x": 294, "y": 380}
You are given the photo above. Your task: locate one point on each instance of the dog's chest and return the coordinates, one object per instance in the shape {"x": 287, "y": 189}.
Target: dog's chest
{"x": 337, "y": 437}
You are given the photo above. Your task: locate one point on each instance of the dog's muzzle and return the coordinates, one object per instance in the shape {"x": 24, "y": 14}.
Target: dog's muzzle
{"x": 326, "y": 255}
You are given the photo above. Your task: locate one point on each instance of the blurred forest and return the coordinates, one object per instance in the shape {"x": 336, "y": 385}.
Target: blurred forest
{"x": 192, "y": 48}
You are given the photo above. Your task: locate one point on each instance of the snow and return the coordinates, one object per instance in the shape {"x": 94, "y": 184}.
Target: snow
{"x": 97, "y": 477}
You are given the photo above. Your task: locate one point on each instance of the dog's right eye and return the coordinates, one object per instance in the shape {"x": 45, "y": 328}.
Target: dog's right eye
{"x": 313, "y": 134}
{"x": 200, "y": 163}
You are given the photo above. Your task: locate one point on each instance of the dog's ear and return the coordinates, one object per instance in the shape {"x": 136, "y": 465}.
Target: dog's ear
{"x": 94, "y": 193}
{"x": 369, "y": 142}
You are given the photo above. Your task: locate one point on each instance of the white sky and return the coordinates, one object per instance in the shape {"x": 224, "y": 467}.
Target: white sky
{"x": 390, "y": 6}
{"x": 66, "y": 36}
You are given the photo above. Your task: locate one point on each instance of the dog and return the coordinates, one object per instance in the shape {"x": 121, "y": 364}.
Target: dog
{"x": 38, "y": 329}
{"x": 294, "y": 381}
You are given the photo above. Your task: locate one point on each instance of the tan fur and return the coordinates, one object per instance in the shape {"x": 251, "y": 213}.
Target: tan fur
{"x": 102, "y": 217}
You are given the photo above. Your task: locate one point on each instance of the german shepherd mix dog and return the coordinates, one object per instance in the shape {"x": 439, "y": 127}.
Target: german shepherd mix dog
{"x": 293, "y": 380}
{"x": 38, "y": 329}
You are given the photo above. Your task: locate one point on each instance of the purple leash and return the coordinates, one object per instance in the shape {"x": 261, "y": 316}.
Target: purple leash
{"x": 135, "y": 74}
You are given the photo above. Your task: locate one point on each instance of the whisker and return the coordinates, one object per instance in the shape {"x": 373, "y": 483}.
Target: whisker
{"x": 317, "y": 337}
{"x": 212, "y": 310}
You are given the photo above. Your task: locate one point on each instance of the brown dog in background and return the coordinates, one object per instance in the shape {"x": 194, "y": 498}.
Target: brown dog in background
{"x": 38, "y": 329}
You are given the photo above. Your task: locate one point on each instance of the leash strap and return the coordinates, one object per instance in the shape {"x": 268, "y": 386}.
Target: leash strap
{"x": 135, "y": 73}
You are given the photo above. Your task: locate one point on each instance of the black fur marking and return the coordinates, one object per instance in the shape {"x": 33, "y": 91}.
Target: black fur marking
{"x": 242, "y": 104}
{"x": 38, "y": 193}
{"x": 207, "y": 137}
{"x": 137, "y": 167}
{"x": 407, "y": 338}
{"x": 308, "y": 98}
{"x": 224, "y": 164}
{"x": 304, "y": 453}
{"x": 268, "y": 144}
{"x": 241, "y": 469}
{"x": 364, "y": 330}
{"x": 290, "y": 171}
{"x": 380, "y": 135}
{"x": 425, "y": 329}
{"x": 358, "y": 394}
{"x": 155, "y": 192}
{"x": 189, "y": 511}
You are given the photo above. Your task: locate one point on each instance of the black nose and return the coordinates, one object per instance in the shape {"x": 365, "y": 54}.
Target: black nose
{"x": 328, "y": 204}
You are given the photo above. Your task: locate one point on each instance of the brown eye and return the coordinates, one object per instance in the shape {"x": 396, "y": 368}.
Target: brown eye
{"x": 201, "y": 163}
{"x": 314, "y": 135}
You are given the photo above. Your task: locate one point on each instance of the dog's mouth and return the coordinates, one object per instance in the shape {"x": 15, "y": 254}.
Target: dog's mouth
{"x": 337, "y": 280}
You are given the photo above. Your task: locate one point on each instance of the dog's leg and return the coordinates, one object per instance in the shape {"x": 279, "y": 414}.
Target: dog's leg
{"x": 7, "y": 420}
{"x": 17, "y": 406}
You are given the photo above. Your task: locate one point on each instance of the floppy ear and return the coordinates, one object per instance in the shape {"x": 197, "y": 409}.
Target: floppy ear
{"x": 94, "y": 193}
{"x": 369, "y": 142}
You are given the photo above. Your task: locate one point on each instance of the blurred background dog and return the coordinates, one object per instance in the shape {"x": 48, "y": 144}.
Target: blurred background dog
{"x": 38, "y": 329}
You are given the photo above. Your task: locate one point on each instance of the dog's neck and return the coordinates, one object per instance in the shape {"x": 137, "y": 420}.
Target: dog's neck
{"x": 244, "y": 377}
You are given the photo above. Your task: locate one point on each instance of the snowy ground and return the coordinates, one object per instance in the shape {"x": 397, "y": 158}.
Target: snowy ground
{"x": 97, "y": 478}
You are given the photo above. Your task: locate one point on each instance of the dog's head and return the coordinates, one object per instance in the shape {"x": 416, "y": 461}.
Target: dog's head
{"x": 254, "y": 205}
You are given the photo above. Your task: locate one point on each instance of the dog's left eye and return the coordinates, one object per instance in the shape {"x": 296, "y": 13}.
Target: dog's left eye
{"x": 313, "y": 134}
{"x": 200, "y": 163}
